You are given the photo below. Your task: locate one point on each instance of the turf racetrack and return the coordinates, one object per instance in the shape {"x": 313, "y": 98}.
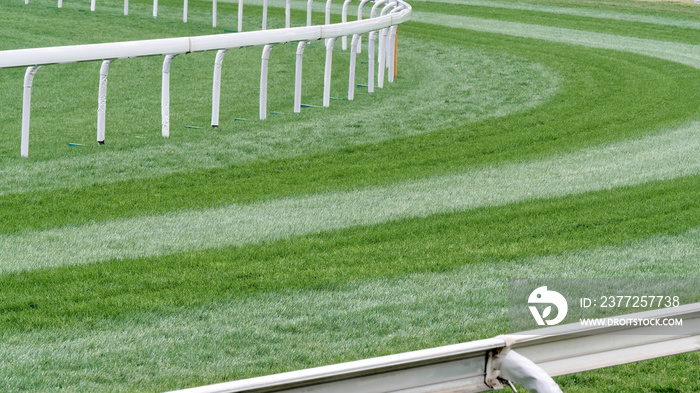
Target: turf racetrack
{"x": 544, "y": 139}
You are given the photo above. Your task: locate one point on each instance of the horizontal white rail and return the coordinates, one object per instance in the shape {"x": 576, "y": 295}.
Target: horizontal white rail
{"x": 182, "y": 45}
{"x": 476, "y": 366}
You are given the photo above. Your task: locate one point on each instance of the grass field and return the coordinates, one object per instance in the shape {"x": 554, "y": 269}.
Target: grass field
{"x": 555, "y": 138}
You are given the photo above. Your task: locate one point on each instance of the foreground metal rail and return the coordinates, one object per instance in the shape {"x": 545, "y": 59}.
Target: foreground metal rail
{"x": 474, "y": 366}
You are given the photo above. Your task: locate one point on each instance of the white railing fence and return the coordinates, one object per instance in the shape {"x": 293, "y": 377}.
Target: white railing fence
{"x": 529, "y": 359}
{"x": 385, "y": 17}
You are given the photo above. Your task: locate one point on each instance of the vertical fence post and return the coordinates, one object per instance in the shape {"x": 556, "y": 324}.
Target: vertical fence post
{"x": 184, "y": 11}
{"x": 383, "y": 33}
{"x": 328, "y": 12}
{"x": 240, "y": 15}
{"x": 27, "y": 108}
{"x": 264, "y": 17}
{"x": 360, "y": 10}
{"x": 216, "y": 88}
{"x": 155, "y": 9}
{"x": 353, "y": 56}
{"x": 263, "y": 81}
{"x": 213, "y": 14}
{"x": 102, "y": 101}
{"x": 382, "y": 58}
{"x": 309, "y": 6}
{"x": 92, "y": 5}
{"x": 370, "y": 62}
{"x": 297, "y": 79}
{"x": 165, "y": 96}
{"x": 60, "y": 3}
{"x": 344, "y": 19}
{"x": 126, "y": 7}
{"x": 391, "y": 65}
{"x": 327, "y": 74}
{"x": 288, "y": 14}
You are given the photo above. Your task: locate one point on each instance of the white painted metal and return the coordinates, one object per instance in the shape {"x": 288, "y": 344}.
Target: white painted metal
{"x": 102, "y": 101}
{"x": 126, "y": 7}
{"x": 27, "y": 107}
{"x": 26, "y": 2}
{"x": 179, "y": 45}
{"x": 467, "y": 367}
{"x": 566, "y": 349}
{"x": 288, "y": 14}
{"x": 155, "y": 9}
{"x": 60, "y": 3}
{"x": 213, "y": 14}
{"x": 391, "y": 52}
{"x": 526, "y": 373}
{"x": 92, "y": 5}
{"x": 370, "y": 61}
{"x": 344, "y": 19}
{"x": 216, "y": 87}
{"x": 309, "y": 9}
{"x": 240, "y": 16}
{"x": 263, "y": 81}
{"x": 360, "y": 11}
{"x": 460, "y": 363}
{"x": 382, "y": 58}
{"x": 297, "y": 77}
{"x": 383, "y": 33}
{"x": 353, "y": 56}
{"x": 184, "y": 11}
{"x": 328, "y": 11}
{"x": 330, "y": 42}
{"x": 264, "y": 17}
{"x": 165, "y": 96}
{"x": 370, "y": 55}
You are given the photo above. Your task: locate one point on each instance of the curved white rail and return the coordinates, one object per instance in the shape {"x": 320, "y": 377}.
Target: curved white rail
{"x": 391, "y": 14}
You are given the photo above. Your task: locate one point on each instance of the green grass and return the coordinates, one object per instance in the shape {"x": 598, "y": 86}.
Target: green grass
{"x": 387, "y": 224}
{"x": 686, "y": 31}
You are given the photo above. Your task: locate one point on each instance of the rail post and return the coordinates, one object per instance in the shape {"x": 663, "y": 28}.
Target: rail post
{"x": 263, "y": 81}
{"x": 165, "y": 97}
{"x": 27, "y": 107}
{"x": 264, "y": 17}
{"x": 216, "y": 87}
{"x": 287, "y": 14}
{"x": 309, "y": 6}
{"x": 297, "y": 78}
{"x": 353, "y": 60}
{"x": 240, "y": 16}
{"x": 102, "y": 101}
{"x": 327, "y": 74}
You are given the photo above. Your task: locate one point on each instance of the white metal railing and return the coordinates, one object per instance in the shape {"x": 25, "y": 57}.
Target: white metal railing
{"x": 527, "y": 358}
{"x": 384, "y": 18}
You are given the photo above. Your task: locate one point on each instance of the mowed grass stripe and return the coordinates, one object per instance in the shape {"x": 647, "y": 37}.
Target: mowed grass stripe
{"x": 235, "y": 339}
{"x": 650, "y": 27}
{"x": 687, "y": 54}
{"x": 656, "y": 157}
{"x": 83, "y": 295}
{"x": 604, "y": 96}
{"x": 687, "y": 20}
